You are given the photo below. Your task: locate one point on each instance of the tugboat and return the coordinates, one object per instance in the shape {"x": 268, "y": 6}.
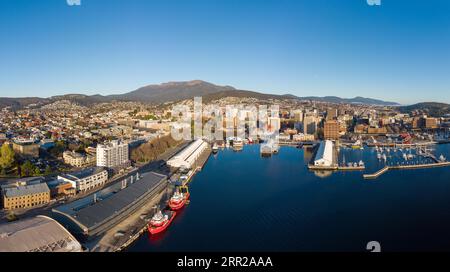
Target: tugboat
{"x": 178, "y": 200}
{"x": 160, "y": 221}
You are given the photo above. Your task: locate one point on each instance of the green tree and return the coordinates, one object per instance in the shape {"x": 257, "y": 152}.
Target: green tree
{"x": 6, "y": 156}
{"x": 37, "y": 171}
{"x": 48, "y": 170}
{"x": 27, "y": 169}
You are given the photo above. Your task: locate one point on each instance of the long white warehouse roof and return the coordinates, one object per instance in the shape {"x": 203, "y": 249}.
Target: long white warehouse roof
{"x": 187, "y": 156}
{"x": 325, "y": 152}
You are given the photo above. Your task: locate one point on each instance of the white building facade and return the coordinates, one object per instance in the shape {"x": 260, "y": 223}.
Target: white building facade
{"x": 112, "y": 154}
{"x": 86, "y": 180}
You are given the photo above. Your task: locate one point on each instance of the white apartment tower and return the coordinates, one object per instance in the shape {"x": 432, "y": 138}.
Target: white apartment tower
{"x": 112, "y": 154}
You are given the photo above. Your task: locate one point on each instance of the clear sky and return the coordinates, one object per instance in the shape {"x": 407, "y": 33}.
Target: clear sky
{"x": 398, "y": 51}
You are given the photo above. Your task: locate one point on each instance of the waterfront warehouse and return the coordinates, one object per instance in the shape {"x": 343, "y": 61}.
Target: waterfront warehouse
{"x": 93, "y": 215}
{"x": 37, "y": 234}
{"x": 188, "y": 156}
{"x": 324, "y": 156}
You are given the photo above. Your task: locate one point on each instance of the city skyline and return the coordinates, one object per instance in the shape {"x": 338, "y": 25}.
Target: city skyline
{"x": 395, "y": 51}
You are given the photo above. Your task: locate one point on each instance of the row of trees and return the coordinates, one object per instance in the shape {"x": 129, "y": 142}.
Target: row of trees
{"x": 150, "y": 151}
{"x": 27, "y": 169}
{"x": 8, "y": 162}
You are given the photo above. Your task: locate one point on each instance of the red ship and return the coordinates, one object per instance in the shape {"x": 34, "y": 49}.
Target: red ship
{"x": 178, "y": 200}
{"x": 160, "y": 221}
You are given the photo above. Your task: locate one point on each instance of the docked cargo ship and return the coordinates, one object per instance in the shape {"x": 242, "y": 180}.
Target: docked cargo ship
{"x": 160, "y": 221}
{"x": 178, "y": 200}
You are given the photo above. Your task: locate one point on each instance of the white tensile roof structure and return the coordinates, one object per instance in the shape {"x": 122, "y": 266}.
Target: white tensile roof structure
{"x": 37, "y": 234}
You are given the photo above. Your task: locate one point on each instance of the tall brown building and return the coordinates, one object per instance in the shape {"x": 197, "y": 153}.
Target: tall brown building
{"x": 332, "y": 114}
{"x": 331, "y": 130}
{"x": 424, "y": 122}
{"x": 431, "y": 123}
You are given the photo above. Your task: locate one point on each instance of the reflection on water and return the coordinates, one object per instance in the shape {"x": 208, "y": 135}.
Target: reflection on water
{"x": 241, "y": 202}
{"x": 323, "y": 173}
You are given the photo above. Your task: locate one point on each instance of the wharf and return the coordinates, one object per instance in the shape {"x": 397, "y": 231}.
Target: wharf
{"x": 129, "y": 230}
{"x": 125, "y": 233}
{"x": 288, "y": 143}
{"x": 336, "y": 168}
{"x": 351, "y": 168}
{"x": 331, "y": 167}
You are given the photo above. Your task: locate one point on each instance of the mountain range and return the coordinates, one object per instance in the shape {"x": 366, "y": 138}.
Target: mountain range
{"x": 175, "y": 91}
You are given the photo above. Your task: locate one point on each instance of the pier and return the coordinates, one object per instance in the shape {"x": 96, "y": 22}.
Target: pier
{"x": 351, "y": 168}
{"x": 399, "y": 167}
{"x": 376, "y": 174}
{"x": 337, "y": 168}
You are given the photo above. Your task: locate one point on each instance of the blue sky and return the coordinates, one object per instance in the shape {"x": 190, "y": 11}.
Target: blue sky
{"x": 398, "y": 51}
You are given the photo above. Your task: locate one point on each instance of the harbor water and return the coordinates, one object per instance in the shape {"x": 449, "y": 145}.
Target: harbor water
{"x": 243, "y": 202}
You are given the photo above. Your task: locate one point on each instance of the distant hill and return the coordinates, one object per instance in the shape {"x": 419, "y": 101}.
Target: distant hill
{"x": 356, "y": 100}
{"x": 172, "y": 91}
{"x": 176, "y": 91}
{"x": 243, "y": 94}
{"x": 20, "y": 102}
{"x": 434, "y": 109}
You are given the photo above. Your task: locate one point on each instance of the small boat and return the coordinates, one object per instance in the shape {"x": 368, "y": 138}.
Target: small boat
{"x": 379, "y": 156}
{"x": 215, "y": 148}
{"x": 160, "y": 221}
{"x": 361, "y": 163}
{"x": 238, "y": 144}
{"x": 178, "y": 200}
{"x": 357, "y": 145}
{"x": 442, "y": 158}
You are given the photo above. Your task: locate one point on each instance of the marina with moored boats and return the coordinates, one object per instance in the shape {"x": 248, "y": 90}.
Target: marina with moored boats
{"x": 176, "y": 197}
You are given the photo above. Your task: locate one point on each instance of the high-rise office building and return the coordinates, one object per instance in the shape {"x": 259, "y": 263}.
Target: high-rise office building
{"x": 309, "y": 124}
{"x": 331, "y": 130}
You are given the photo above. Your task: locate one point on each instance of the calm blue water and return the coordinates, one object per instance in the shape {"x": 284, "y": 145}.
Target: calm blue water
{"x": 242, "y": 202}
